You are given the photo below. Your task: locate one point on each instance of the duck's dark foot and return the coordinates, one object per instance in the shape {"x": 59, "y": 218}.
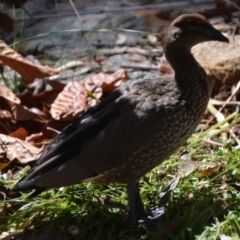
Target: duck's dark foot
{"x": 152, "y": 219}
{"x": 137, "y": 217}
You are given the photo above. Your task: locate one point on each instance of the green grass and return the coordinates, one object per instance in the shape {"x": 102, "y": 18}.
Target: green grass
{"x": 202, "y": 206}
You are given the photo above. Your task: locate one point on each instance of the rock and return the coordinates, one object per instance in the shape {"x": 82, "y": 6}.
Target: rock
{"x": 113, "y": 63}
{"x": 220, "y": 60}
{"x": 59, "y": 43}
{"x": 72, "y": 44}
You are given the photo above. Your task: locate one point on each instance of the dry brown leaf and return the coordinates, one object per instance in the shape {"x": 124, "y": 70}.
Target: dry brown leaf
{"x": 55, "y": 83}
{"x": 20, "y": 133}
{"x": 102, "y": 83}
{"x": 13, "y": 148}
{"x": 22, "y": 113}
{"x": 114, "y": 81}
{"x": 209, "y": 172}
{"x": 44, "y": 98}
{"x": 7, "y": 94}
{"x": 94, "y": 82}
{"x": 47, "y": 97}
{"x": 5, "y": 114}
{"x": 93, "y": 85}
{"x": 70, "y": 103}
{"x": 37, "y": 139}
{"x": 73, "y": 101}
{"x": 187, "y": 166}
{"x": 23, "y": 66}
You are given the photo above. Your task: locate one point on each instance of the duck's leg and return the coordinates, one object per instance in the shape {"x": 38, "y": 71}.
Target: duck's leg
{"x": 135, "y": 204}
{"x": 136, "y": 210}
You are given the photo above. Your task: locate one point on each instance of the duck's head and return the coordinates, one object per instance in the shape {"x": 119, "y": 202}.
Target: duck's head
{"x": 190, "y": 29}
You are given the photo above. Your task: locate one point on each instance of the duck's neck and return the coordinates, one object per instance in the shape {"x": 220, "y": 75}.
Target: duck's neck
{"x": 187, "y": 70}
{"x": 180, "y": 58}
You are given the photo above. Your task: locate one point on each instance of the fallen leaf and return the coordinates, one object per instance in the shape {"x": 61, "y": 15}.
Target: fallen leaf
{"x": 47, "y": 97}
{"x": 37, "y": 139}
{"x": 7, "y": 94}
{"x": 187, "y": 166}
{"x": 114, "y": 81}
{"x": 23, "y": 66}
{"x": 22, "y": 113}
{"x": 20, "y": 133}
{"x": 55, "y": 83}
{"x": 13, "y": 148}
{"x": 93, "y": 85}
{"x": 209, "y": 172}
{"x": 75, "y": 98}
{"x": 70, "y": 103}
{"x": 5, "y": 114}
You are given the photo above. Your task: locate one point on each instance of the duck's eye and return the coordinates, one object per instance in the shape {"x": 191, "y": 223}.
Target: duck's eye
{"x": 193, "y": 24}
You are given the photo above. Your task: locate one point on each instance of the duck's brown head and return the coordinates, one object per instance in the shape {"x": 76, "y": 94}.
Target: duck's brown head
{"x": 190, "y": 29}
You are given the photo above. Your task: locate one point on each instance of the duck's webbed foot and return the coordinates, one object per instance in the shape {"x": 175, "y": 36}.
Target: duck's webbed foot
{"x": 137, "y": 217}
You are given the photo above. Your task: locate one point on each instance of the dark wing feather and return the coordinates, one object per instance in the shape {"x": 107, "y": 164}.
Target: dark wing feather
{"x": 61, "y": 149}
{"x": 86, "y": 126}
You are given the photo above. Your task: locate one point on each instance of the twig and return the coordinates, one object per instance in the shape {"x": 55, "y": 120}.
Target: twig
{"x": 234, "y": 136}
{"x": 53, "y": 130}
{"x": 218, "y": 102}
{"x": 70, "y": 74}
{"x": 236, "y": 90}
{"x": 70, "y": 64}
{"x": 208, "y": 140}
{"x": 140, "y": 66}
{"x": 233, "y": 4}
{"x": 121, "y": 50}
{"x": 220, "y": 117}
{"x": 75, "y": 10}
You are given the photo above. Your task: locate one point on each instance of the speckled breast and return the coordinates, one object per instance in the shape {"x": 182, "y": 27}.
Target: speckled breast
{"x": 158, "y": 148}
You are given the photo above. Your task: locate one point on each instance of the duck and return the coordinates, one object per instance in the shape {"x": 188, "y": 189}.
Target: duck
{"x": 136, "y": 127}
